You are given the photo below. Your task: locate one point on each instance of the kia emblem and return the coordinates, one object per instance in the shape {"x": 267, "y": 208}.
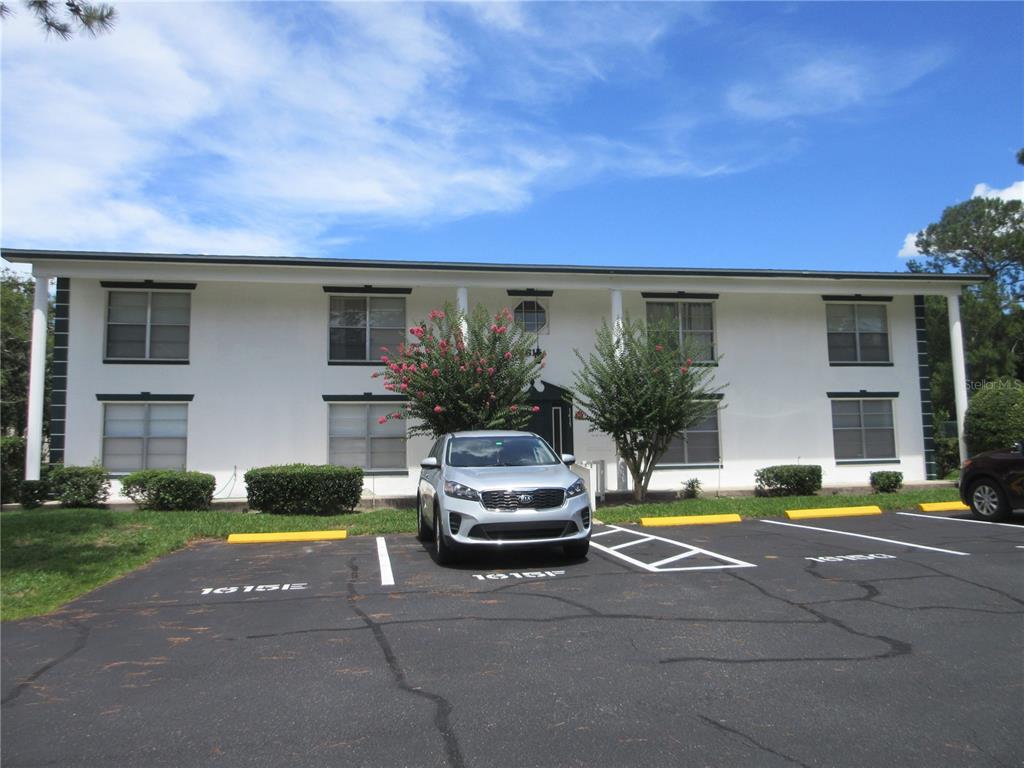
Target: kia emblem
{"x": 525, "y": 498}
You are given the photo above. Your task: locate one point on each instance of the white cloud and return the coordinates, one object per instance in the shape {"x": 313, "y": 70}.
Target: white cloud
{"x": 1013, "y": 192}
{"x": 253, "y": 128}
{"x": 909, "y": 249}
{"x": 801, "y": 81}
{"x": 284, "y": 128}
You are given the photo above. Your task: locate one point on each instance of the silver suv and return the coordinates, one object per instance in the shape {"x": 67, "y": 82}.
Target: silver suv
{"x": 493, "y": 488}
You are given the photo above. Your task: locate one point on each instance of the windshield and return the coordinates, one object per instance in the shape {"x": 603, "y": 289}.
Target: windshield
{"x": 525, "y": 451}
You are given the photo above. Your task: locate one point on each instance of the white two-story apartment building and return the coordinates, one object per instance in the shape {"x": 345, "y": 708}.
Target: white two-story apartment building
{"x": 223, "y": 363}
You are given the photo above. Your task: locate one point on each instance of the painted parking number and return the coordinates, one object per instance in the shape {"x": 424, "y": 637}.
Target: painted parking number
{"x": 517, "y": 575}
{"x": 254, "y": 588}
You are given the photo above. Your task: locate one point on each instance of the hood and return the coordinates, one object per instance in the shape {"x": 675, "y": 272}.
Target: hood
{"x": 509, "y": 478}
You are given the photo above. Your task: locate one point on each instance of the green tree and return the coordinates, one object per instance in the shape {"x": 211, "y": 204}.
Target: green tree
{"x": 995, "y": 417}
{"x": 981, "y": 236}
{"x": 15, "y": 333}
{"x": 458, "y": 381}
{"x": 15, "y": 341}
{"x": 81, "y": 17}
{"x": 642, "y": 391}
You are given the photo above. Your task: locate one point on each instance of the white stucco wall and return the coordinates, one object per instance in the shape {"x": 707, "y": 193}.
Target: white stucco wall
{"x": 258, "y": 372}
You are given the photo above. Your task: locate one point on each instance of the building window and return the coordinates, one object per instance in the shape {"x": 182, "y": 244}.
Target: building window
{"x": 361, "y": 326}
{"x": 358, "y": 439}
{"x": 531, "y": 316}
{"x": 857, "y": 333}
{"x": 148, "y": 325}
{"x": 699, "y": 444}
{"x": 696, "y": 324}
{"x": 144, "y": 436}
{"x": 863, "y": 429}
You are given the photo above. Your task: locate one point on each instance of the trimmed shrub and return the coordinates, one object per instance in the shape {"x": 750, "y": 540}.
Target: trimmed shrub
{"x": 886, "y": 482}
{"x": 788, "y": 480}
{"x": 80, "y": 486}
{"x": 166, "y": 489}
{"x": 12, "y": 466}
{"x": 32, "y": 493}
{"x": 691, "y": 488}
{"x": 304, "y": 489}
{"x": 995, "y": 416}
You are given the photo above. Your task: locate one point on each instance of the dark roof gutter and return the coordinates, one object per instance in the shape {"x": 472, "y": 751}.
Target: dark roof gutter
{"x": 23, "y": 255}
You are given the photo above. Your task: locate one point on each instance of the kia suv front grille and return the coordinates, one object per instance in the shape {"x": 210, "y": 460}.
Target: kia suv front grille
{"x": 539, "y": 498}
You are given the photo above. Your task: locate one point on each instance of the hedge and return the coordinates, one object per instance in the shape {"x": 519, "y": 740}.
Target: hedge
{"x": 995, "y": 416}
{"x": 32, "y": 493}
{"x": 166, "y": 489}
{"x": 788, "y": 480}
{"x": 886, "y": 482}
{"x": 12, "y": 466}
{"x": 79, "y": 486}
{"x": 304, "y": 489}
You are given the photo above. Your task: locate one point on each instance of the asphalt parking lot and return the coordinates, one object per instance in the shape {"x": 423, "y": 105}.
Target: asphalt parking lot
{"x": 892, "y": 640}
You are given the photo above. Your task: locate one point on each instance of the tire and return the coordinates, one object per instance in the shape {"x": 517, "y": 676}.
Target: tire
{"x": 987, "y": 501}
{"x": 444, "y": 552}
{"x": 576, "y": 550}
{"x": 422, "y": 532}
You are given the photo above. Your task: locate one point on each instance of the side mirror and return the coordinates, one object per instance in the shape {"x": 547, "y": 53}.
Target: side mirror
{"x": 568, "y": 459}
{"x": 429, "y": 463}
{"x": 1020, "y": 447}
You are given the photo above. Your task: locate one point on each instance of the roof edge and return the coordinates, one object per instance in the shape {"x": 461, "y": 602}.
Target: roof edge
{"x": 28, "y": 255}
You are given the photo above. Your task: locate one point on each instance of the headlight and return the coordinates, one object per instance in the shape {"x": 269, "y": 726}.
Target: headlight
{"x": 575, "y": 489}
{"x": 460, "y": 491}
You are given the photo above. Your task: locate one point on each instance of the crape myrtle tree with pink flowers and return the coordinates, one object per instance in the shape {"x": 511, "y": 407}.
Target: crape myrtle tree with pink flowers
{"x": 461, "y": 380}
{"x": 640, "y": 388}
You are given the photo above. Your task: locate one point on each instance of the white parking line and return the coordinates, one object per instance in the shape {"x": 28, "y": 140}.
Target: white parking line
{"x": 864, "y": 536}
{"x": 961, "y": 520}
{"x": 617, "y": 547}
{"x": 672, "y": 559}
{"x": 387, "y": 578}
{"x": 729, "y": 562}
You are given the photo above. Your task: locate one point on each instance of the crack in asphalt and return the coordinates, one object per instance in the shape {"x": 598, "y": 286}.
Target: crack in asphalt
{"x": 81, "y": 639}
{"x": 872, "y": 595}
{"x": 896, "y": 646}
{"x": 751, "y": 740}
{"x": 442, "y": 707}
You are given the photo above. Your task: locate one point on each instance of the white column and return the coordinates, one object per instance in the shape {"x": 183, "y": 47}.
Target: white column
{"x": 617, "y": 315}
{"x": 462, "y": 303}
{"x": 37, "y": 377}
{"x": 956, "y": 346}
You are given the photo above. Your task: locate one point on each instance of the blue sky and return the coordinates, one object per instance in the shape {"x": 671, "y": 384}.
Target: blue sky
{"x": 777, "y": 135}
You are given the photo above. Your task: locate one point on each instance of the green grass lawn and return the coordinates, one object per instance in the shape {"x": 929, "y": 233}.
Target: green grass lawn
{"x": 753, "y": 506}
{"x": 49, "y": 556}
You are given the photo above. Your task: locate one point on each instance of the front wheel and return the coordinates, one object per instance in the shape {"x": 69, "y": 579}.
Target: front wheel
{"x": 576, "y": 550}
{"x": 988, "y": 502}
{"x": 444, "y": 553}
{"x": 422, "y": 532}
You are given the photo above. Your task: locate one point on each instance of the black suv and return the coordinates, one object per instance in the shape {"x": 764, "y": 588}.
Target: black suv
{"x": 992, "y": 483}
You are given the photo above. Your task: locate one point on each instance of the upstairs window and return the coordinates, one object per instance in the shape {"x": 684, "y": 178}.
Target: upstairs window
{"x": 858, "y": 333}
{"x": 148, "y": 325}
{"x": 695, "y": 322}
{"x": 531, "y": 316}
{"x": 360, "y": 326}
